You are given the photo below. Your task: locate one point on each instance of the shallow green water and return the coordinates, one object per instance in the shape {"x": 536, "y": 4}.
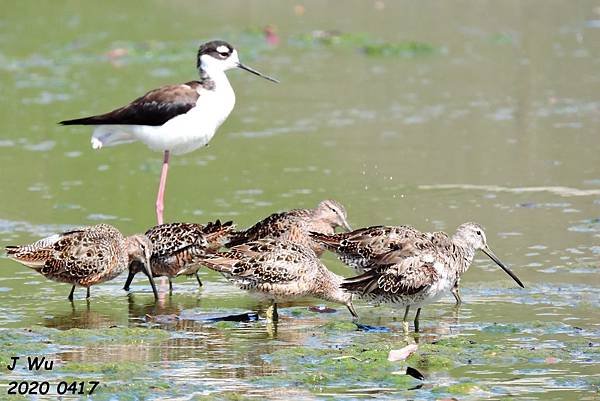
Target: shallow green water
{"x": 484, "y": 111}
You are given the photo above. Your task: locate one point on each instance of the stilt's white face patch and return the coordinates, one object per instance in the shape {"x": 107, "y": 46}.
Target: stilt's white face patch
{"x": 223, "y": 49}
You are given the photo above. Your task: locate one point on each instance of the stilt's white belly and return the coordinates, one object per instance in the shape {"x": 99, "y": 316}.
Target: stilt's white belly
{"x": 182, "y": 134}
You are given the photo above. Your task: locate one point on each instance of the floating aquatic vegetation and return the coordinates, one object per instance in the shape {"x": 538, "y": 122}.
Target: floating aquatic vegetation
{"x": 225, "y": 325}
{"x": 463, "y": 388}
{"x": 430, "y": 359}
{"x": 365, "y": 363}
{"x": 127, "y": 369}
{"x": 20, "y": 342}
{"x": 400, "y": 49}
{"x": 119, "y": 335}
{"x": 336, "y": 325}
{"x": 369, "y": 45}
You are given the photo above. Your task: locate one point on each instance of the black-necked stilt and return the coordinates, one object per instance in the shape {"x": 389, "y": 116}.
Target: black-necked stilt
{"x": 174, "y": 118}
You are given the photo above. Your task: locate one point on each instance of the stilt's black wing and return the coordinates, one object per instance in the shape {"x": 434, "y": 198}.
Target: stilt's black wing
{"x": 154, "y": 108}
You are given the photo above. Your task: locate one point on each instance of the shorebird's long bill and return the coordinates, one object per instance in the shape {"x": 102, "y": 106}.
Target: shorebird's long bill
{"x": 148, "y": 273}
{"x": 253, "y": 71}
{"x": 491, "y": 255}
{"x": 346, "y": 225}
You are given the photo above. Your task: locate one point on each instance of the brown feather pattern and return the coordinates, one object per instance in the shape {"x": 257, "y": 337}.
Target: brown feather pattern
{"x": 278, "y": 270}
{"x": 295, "y": 225}
{"x": 177, "y": 246}
{"x": 83, "y": 257}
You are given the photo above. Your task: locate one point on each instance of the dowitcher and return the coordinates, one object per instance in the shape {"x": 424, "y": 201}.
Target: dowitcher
{"x": 177, "y": 246}
{"x": 295, "y": 225}
{"x": 360, "y": 248}
{"x": 279, "y": 270}
{"x": 174, "y": 118}
{"x": 85, "y": 256}
{"x": 422, "y": 269}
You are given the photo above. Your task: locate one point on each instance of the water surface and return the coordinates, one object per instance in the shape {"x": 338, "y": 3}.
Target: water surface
{"x": 481, "y": 111}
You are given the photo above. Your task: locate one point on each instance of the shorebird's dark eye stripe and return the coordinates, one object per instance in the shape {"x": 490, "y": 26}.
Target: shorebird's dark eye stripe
{"x": 219, "y": 55}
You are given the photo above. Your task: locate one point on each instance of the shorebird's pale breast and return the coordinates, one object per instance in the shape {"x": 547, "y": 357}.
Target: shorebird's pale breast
{"x": 196, "y": 128}
{"x": 181, "y": 134}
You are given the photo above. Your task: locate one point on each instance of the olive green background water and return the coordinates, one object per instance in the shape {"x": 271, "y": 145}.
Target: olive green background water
{"x": 465, "y": 111}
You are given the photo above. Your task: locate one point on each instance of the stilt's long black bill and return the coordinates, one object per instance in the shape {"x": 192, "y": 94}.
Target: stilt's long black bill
{"x": 253, "y": 71}
{"x": 491, "y": 255}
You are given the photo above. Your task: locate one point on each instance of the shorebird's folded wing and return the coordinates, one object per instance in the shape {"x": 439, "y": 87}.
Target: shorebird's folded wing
{"x": 271, "y": 226}
{"x": 154, "y": 108}
{"x": 168, "y": 239}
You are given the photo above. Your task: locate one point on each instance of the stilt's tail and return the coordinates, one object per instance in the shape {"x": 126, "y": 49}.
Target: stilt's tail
{"x": 93, "y": 120}
{"x": 110, "y": 135}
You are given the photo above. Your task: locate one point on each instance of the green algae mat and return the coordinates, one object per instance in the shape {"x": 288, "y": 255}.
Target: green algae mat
{"x": 422, "y": 113}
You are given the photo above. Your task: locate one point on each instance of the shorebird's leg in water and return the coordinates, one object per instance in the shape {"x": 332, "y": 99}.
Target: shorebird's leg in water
{"x": 404, "y": 322}
{"x": 87, "y": 296}
{"x": 352, "y": 312}
{"x": 160, "y": 198}
{"x": 272, "y": 312}
{"x": 456, "y": 293}
{"x": 70, "y": 297}
{"x": 199, "y": 281}
{"x": 170, "y": 286}
{"x": 417, "y": 320}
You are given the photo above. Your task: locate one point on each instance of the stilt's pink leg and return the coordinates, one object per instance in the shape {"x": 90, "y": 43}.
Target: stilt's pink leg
{"x": 160, "y": 204}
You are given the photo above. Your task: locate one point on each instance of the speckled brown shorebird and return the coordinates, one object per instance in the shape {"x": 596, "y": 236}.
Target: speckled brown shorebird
{"x": 177, "y": 246}
{"x": 85, "y": 256}
{"x": 360, "y": 248}
{"x": 422, "y": 269}
{"x": 295, "y": 225}
{"x": 279, "y": 270}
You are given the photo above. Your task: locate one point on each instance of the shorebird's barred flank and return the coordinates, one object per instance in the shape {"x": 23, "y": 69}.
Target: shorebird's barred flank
{"x": 279, "y": 270}
{"x": 360, "y": 247}
{"x": 85, "y": 256}
{"x": 177, "y": 247}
